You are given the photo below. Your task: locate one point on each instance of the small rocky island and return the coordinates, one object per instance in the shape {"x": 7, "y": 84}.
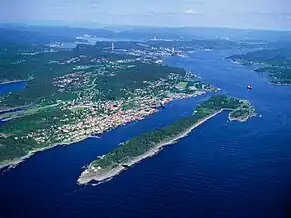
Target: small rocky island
{"x": 150, "y": 143}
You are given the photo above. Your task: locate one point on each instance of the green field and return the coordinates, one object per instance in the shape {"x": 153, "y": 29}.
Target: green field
{"x": 181, "y": 85}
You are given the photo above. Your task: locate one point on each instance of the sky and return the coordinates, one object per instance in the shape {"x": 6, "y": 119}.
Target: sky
{"x": 254, "y": 14}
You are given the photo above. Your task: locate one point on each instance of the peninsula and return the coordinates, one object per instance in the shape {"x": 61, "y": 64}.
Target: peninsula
{"x": 275, "y": 63}
{"x": 150, "y": 143}
{"x": 70, "y": 95}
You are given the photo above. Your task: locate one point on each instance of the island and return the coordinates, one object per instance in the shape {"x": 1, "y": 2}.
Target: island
{"x": 150, "y": 143}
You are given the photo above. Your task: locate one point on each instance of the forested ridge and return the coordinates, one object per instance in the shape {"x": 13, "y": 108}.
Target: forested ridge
{"x": 141, "y": 144}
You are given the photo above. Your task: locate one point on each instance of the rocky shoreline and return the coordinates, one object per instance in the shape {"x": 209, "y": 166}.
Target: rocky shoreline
{"x": 105, "y": 175}
{"x": 14, "y": 162}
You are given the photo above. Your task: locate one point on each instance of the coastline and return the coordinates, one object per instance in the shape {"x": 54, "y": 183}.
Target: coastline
{"x": 87, "y": 177}
{"x": 7, "y": 110}
{"x": 242, "y": 120}
{"x": 251, "y": 114}
{"x": 279, "y": 84}
{"x": 12, "y": 81}
{"x": 14, "y": 162}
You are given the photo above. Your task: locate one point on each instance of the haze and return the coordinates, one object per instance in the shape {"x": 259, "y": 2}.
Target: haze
{"x": 255, "y": 14}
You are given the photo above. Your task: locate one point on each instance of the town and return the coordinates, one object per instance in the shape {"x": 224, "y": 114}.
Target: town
{"x": 88, "y": 91}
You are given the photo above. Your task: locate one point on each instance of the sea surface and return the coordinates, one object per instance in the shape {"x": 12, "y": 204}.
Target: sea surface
{"x": 222, "y": 169}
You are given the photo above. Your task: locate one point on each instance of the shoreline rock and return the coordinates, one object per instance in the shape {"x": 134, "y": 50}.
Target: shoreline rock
{"x": 104, "y": 176}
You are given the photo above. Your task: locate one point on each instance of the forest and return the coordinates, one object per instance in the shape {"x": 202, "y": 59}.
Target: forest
{"x": 53, "y": 84}
{"x": 146, "y": 141}
{"x": 276, "y": 63}
{"x": 41, "y": 69}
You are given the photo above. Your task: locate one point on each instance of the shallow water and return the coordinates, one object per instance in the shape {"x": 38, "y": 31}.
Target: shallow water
{"x": 222, "y": 169}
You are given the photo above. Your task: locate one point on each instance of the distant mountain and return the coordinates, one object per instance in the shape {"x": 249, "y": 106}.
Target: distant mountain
{"x": 209, "y": 33}
{"x": 45, "y": 34}
{"x": 53, "y": 30}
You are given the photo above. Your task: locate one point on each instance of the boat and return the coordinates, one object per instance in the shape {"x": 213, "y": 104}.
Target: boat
{"x": 249, "y": 87}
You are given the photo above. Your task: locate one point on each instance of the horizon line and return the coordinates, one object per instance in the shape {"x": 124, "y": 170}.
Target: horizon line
{"x": 76, "y": 24}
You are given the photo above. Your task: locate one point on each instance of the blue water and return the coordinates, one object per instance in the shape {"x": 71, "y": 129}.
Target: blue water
{"x": 11, "y": 110}
{"x": 222, "y": 169}
{"x": 11, "y": 87}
